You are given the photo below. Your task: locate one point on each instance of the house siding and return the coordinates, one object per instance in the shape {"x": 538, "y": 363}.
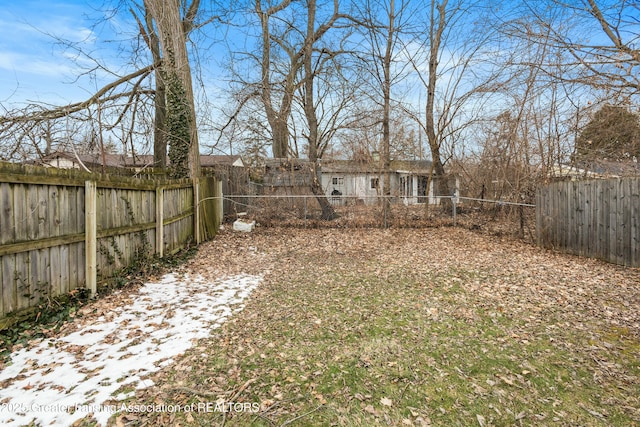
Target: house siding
{"x": 356, "y": 188}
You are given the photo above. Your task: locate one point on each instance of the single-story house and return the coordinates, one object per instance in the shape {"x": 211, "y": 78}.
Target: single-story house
{"x": 222, "y": 160}
{"x": 95, "y": 162}
{"x": 347, "y": 182}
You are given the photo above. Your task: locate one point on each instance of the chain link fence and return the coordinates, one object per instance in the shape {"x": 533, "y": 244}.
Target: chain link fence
{"x": 497, "y": 217}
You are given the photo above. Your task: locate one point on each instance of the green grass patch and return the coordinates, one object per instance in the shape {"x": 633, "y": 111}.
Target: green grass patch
{"x": 360, "y": 343}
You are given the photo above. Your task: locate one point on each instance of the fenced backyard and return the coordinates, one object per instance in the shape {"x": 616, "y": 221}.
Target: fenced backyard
{"x": 303, "y": 210}
{"x": 66, "y": 230}
{"x": 434, "y": 320}
{"x": 62, "y": 230}
{"x": 593, "y": 218}
{"x": 434, "y": 326}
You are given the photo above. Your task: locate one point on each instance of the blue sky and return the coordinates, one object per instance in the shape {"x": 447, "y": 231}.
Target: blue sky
{"x": 33, "y": 67}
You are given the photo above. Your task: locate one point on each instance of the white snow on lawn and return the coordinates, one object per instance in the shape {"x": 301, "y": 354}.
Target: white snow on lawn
{"x": 62, "y": 380}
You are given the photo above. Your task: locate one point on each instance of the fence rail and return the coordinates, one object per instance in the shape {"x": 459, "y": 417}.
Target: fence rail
{"x": 594, "y": 218}
{"x": 494, "y": 216}
{"x": 64, "y": 230}
{"x": 397, "y": 199}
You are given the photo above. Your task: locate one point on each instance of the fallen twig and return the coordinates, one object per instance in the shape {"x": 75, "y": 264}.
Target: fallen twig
{"x": 300, "y": 416}
{"x": 241, "y": 389}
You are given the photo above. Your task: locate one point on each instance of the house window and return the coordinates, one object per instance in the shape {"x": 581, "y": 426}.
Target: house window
{"x": 337, "y": 181}
{"x": 375, "y": 183}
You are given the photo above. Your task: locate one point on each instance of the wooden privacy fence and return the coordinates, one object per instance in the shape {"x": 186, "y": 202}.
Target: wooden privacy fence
{"x": 594, "y": 218}
{"x": 62, "y": 230}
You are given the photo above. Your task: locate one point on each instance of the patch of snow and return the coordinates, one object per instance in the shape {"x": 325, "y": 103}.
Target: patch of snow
{"x": 66, "y": 379}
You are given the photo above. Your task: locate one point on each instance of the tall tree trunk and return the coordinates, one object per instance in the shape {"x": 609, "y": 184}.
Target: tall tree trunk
{"x": 280, "y": 131}
{"x": 434, "y": 142}
{"x": 328, "y": 213}
{"x": 386, "y": 115}
{"x": 175, "y": 64}
{"x": 160, "y": 104}
{"x": 278, "y": 119}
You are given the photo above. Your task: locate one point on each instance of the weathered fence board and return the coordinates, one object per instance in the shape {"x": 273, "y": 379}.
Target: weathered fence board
{"x": 211, "y": 201}
{"x": 595, "y": 218}
{"x": 43, "y": 229}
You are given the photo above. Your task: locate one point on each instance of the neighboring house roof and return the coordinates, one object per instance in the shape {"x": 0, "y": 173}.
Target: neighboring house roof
{"x": 122, "y": 161}
{"x": 348, "y": 166}
{"x": 92, "y": 160}
{"x": 412, "y": 166}
{"x": 597, "y": 169}
{"x": 612, "y": 168}
{"x": 572, "y": 172}
{"x": 225, "y": 159}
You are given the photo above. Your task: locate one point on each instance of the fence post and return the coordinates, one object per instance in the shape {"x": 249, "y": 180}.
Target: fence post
{"x": 454, "y": 202}
{"x": 220, "y": 200}
{"x": 160, "y": 221}
{"x": 455, "y": 213}
{"x": 196, "y": 210}
{"x": 90, "y": 236}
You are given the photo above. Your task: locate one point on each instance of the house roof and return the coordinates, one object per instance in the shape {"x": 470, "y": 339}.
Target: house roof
{"x": 348, "y": 166}
{"x": 110, "y": 160}
{"x": 122, "y": 161}
{"x": 412, "y": 166}
{"x": 612, "y": 168}
{"x": 598, "y": 169}
{"x": 225, "y": 159}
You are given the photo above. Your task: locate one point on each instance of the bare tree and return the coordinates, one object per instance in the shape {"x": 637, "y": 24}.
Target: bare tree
{"x": 149, "y": 35}
{"x": 278, "y": 116}
{"x": 384, "y": 23}
{"x": 551, "y": 85}
{"x": 313, "y": 34}
{"x": 438, "y": 21}
{"x": 121, "y": 104}
{"x": 282, "y": 70}
{"x": 30, "y": 131}
{"x": 459, "y": 77}
{"x": 390, "y": 39}
{"x": 596, "y": 40}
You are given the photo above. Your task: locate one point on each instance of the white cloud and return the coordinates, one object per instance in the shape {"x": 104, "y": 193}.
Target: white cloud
{"x": 20, "y": 63}
{"x": 33, "y": 64}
